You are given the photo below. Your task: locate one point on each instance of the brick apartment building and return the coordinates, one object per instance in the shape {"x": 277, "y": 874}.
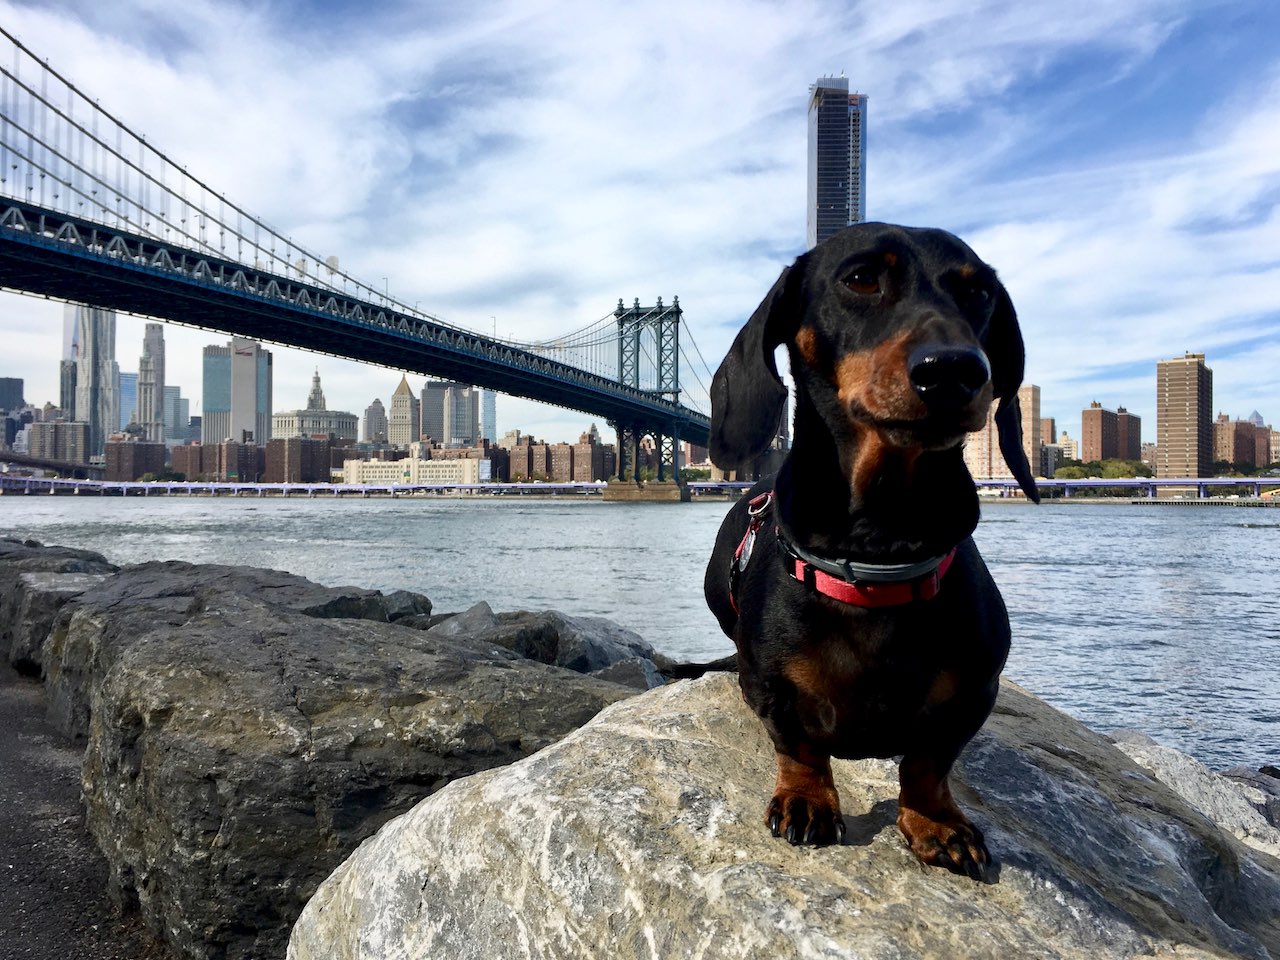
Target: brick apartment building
{"x": 57, "y": 440}
{"x": 297, "y": 460}
{"x": 129, "y": 460}
{"x": 228, "y": 461}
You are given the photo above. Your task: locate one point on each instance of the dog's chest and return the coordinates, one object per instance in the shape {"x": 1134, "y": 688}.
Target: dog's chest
{"x": 866, "y": 685}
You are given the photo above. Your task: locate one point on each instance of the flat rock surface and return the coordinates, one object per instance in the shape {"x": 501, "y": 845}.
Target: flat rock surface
{"x": 641, "y": 835}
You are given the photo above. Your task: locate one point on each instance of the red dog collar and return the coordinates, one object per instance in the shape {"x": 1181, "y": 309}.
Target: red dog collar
{"x": 865, "y": 593}
{"x": 860, "y": 585}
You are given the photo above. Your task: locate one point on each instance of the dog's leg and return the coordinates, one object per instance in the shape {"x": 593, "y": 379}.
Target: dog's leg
{"x": 937, "y": 832}
{"x": 805, "y": 807}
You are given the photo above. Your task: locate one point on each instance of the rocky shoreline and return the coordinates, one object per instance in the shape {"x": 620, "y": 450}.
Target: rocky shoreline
{"x": 499, "y": 784}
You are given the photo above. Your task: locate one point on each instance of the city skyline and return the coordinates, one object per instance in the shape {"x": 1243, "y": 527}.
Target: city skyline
{"x": 1133, "y": 230}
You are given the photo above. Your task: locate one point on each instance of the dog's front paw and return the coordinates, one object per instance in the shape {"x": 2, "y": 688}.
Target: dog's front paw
{"x": 950, "y": 842}
{"x": 805, "y": 819}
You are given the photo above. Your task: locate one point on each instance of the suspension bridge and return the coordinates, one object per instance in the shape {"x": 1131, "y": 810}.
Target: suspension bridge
{"x": 92, "y": 213}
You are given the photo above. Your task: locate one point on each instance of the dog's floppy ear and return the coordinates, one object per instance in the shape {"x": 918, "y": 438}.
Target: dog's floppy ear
{"x": 747, "y": 395}
{"x": 1003, "y": 346}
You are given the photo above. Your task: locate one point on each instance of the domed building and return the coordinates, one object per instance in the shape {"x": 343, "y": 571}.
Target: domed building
{"x": 315, "y": 420}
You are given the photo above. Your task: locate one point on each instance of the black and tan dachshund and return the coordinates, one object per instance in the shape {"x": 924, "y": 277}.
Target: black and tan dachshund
{"x": 865, "y": 621}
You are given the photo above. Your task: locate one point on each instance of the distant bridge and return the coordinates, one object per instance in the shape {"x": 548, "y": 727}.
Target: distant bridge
{"x": 1140, "y": 486}
{"x": 91, "y": 213}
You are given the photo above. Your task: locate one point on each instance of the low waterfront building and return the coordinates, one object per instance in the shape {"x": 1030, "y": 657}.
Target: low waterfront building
{"x": 412, "y": 470}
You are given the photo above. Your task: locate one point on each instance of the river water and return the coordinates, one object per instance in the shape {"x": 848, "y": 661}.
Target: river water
{"x": 1162, "y": 619}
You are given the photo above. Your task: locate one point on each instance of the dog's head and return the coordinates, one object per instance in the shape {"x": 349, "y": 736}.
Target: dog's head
{"x": 897, "y": 330}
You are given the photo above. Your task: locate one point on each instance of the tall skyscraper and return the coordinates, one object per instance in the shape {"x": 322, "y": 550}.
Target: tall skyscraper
{"x": 237, "y": 393}
{"x": 67, "y": 365}
{"x": 404, "y": 425}
{"x": 375, "y": 422}
{"x": 127, "y": 388}
{"x": 151, "y": 383}
{"x": 215, "y": 423}
{"x": 11, "y": 393}
{"x": 461, "y": 415}
{"x": 433, "y": 403}
{"x": 489, "y": 415}
{"x": 1184, "y": 417}
{"x": 837, "y": 158}
{"x": 97, "y": 374}
{"x": 451, "y": 413}
{"x": 177, "y": 414}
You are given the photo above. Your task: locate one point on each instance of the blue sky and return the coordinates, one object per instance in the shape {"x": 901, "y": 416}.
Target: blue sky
{"x": 527, "y": 164}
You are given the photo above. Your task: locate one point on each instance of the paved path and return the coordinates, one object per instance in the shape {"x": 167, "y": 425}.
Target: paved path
{"x": 53, "y": 899}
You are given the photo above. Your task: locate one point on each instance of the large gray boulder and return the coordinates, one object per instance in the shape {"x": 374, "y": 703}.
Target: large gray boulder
{"x": 236, "y": 757}
{"x": 642, "y": 835}
{"x": 592, "y": 645}
{"x": 29, "y": 606}
{"x": 35, "y": 581}
{"x": 92, "y": 629}
{"x": 1238, "y": 804}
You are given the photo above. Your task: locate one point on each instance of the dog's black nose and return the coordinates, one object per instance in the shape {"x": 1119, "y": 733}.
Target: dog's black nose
{"x": 947, "y": 376}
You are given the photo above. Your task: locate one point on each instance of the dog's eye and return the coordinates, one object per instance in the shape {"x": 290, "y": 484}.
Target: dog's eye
{"x": 976, "y": 293}
{"x": 864, "y": 280}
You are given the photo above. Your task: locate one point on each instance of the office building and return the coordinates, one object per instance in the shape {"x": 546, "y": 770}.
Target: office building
{"x": 150, "y": 416}
{"x": 451, "y": 413}
{"x": 315, "y": 420}
{"x": 404, "y": 424}
{"x": 489, "y": 415}
{"x": 1184, "y": 417}
{"x": 177, "y": 415}
{"x": 434, "y": 398}
{"x": 67, "y": 388}
{"x": 237, "y": 393}
{"x": 375, "y": 422}
{"x": 461, "y": 416}
{"x": 837, "y": 158}
{"x": 67, "y": 364}
{"x": 97, "y": 401}
{"x": 11, "y": 393}
{"x": 127, "y": 389}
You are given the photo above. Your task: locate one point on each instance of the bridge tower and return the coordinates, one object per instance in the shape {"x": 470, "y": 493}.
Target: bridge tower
{"x": 649, "y": 360}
